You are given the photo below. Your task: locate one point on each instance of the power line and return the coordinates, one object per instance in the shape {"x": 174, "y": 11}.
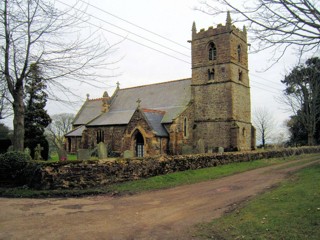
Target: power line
{"x": 137, "y": 35}
{"x": 119, "y": 35}
{"x": 133, "y": 24}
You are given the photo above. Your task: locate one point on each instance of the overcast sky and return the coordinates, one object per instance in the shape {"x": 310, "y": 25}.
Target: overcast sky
{"x": 142, "y": 65}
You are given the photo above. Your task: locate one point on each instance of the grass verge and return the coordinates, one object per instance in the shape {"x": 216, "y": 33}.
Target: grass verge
{"x": 159, "y": 182}
{"x": 291, "y": 211}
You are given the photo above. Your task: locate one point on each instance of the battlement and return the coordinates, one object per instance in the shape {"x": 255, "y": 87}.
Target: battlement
{"x": 220, "y": 29}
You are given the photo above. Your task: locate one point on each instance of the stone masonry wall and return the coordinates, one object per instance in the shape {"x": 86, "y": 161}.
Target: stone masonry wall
{"x": 81, "y": 175}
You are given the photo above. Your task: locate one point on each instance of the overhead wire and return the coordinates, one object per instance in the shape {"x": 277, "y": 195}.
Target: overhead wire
{"x": 133, "y": 24}
{"x": 152, "y": 41}
{"x": 124, "y": 37}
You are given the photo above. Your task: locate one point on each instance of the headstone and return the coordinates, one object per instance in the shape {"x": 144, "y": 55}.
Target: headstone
{"x": 83, "y": 154}
{"x": 102, "y": 151}
{"x": 37, "y": 152}
{"x": 220, "y": 150}
{"x": 210, "y": 150}
{"x": 187, "y": 150}
{"x": 10, "y": 148}
{"x": 128, "y": 154}
{"x": 27, "y": 151}
{"x": 200, "y": 146}
{"x": 63, "y": 155}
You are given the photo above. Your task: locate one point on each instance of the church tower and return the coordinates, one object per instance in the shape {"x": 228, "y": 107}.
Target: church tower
{"x": 220, "y": 88}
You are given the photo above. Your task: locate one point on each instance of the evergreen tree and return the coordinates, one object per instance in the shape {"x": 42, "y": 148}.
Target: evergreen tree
{"x": 302, "y": 95}
{"x": 36, "y": 117}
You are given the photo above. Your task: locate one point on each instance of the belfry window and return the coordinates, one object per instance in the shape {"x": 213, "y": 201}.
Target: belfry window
{"x": 212, "y": 51}
{"x": 211, "y": 74}
{"x": 239, "y": 53}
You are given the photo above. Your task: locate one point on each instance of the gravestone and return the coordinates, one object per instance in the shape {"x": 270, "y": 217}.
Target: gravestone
{"x": 27, "y": 151}
{"x": 10, "y": 148}
{"x": 128, "y": 154}
{"x": 83, "y": 154}
{"x": 220, "y": 150}
{"x": 102, "y": 151}
{"x": 63, "y": 156}
{"x": 37, "y": 152}
{"x": 210, "y": 150}
{"x": 200, "y": 146}
{"x": 187, "y": 150}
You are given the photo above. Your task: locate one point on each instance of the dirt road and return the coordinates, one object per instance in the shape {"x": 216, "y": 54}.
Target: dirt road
{"x": 165, "y": 214}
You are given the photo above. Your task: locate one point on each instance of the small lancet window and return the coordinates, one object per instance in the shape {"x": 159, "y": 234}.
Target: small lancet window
{"x": 100, "y": 136}
{"x": 240, "y": 75}
{"x": 185, "y": 127}
{"x": 239, "y": 53}
{"x": 211, "y": 74}
{"x": 212, "y": 51}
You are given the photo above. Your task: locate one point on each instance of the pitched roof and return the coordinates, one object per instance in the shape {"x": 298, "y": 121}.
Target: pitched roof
{"x": 77, "y": 132}
{"x": 171, "y": 97}
{"x": 154, "y": 118}
{"x": 89, "y": 110}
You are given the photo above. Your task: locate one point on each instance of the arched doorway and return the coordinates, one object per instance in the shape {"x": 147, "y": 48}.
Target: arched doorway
{"x": 139, "y": 144}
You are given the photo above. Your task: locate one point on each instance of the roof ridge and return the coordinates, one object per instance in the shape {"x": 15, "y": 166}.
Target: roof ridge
{"x": 159, "y": 83}
{"x": 153, "y": 110}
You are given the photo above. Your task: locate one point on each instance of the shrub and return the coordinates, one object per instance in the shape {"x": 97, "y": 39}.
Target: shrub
{"x": 12, "y": 163}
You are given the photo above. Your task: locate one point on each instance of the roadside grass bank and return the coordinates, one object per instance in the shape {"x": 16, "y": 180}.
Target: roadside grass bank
{"x": 291, "y": 211}
{"x": 159, "y": 182}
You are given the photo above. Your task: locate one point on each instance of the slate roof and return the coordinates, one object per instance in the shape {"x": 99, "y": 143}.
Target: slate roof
{"x": 171, "y": 97}
{"x": 154, "y": 119}
{"x": 77, "y": 132}
{"x": 89, "y": 110}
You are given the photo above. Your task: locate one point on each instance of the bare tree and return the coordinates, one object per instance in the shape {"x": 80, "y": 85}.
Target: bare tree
{"x": 61, "y": 124}
{"x": 302, "y": 95}
{"x": 264, "y": 123}
{"x": 276, "y": 24}
{"x": 36, "y": 31}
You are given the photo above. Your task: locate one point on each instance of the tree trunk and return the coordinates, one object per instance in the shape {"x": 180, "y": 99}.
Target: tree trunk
{"x": 310, "y": 139}
{"x": 18, "y": 121}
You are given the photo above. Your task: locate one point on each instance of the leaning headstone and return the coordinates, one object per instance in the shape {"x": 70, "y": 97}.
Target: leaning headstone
{"x": 63, "y": 156}
{"x": 27, "y": 151}
{"x": 128, "y": 154}
{"x": 37, "y": 152}
{"x": 220, "y": 150}
{"x": 83, "y": 154}
{"x": 200, "y": 146}
{"x": 102, "y": 151}
{"x": 187, "y": 150}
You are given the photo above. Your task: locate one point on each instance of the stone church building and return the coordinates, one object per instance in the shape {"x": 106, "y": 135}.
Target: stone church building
{"x": 211, "y": 109}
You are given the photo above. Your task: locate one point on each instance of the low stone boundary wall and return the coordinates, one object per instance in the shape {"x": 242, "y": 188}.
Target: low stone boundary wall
{"x": 81, "y": 175}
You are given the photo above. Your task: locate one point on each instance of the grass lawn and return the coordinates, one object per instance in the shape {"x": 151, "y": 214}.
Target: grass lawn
{"x": 291, "y": 211}
{"x": 160, "y": 182}
{"x": 55, "y": 158}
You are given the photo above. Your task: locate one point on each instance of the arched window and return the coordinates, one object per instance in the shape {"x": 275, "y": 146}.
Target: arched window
{"x": 239, "y": 53}
{"x": 212, "y": 51}
{"x": 100, "y": 136}
{"x": 211, "y": 74}
{"x": 185, "y": 127}
{"x": 240, "y": 75}
{"x": 139, "y": 141}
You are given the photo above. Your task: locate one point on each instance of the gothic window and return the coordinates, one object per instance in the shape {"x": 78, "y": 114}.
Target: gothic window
{"x": 239, "y": 53}
{"x": 139, "y": 145}
{"x": 185, "y": 127}
{"x": 243, "y": 132}
{"x": 240, "y": 75}
{"x": 212, "y": 51}
{"x": 211, "y": 74}
{"x": 100, "y": 136}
